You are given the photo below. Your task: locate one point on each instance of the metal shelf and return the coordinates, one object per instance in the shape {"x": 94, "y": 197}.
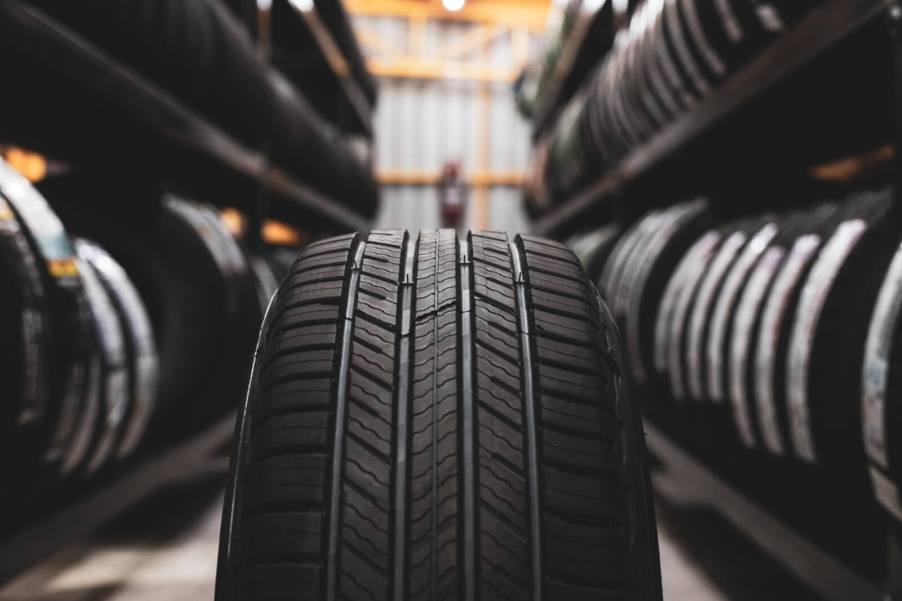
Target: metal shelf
{"x": 820, "y": 31}
{"x": 194, "y": 457}
{"x": 685, "y": 481}
{"x": 339, "y": 63}
{"x": 137, "y": 124}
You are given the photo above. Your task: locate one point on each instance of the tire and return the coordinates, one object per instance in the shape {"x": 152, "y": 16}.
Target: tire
{"x": 684, "y": 224}
{"x": 64, "y": 424}
{"x": 198, "y": 290}
{"x": 114, "y": 399}
{"x": 673, "y": 314}
{"x": 827, "y": 342}
{"x": 747, "y": 319}
{"x": 694, "y": 360}
{"x": 592, "y": 248}
{"x": 880, "y": 385}
{"x": 24, "y": 323}
{"x": 143, "y": 368}
{"x": 384, "y": 452}
{"x": 773, "y": 330}
{"x": 265, "y": 280}
{"x": 199, "y": 53}
{"x": 721, "y": 330}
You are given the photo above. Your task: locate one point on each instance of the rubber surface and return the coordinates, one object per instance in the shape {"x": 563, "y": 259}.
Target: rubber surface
{"x": 435, "y": 419}
{"x": 140, "y": 347}
{"x": 198, "y": 291}
{"x": 113, "y": 393}
{"x": 24, "y": 323}
{"x": 66, "y": 420}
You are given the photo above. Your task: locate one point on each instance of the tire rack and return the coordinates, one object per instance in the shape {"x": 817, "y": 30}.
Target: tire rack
{"x": 145, "y": 124}
{"x": 811, "y": 65}
{"x": 591, "y": 37}
{"x": 195, "y": 157}
{"x": 358, "y": 117}
{"x": 793, "y": 91}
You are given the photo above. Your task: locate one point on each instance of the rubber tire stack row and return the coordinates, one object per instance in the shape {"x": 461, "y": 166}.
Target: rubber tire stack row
{"x": 781, "y": 330}
{"x": 669, "y": 59}
{"x": 435, "y": 419}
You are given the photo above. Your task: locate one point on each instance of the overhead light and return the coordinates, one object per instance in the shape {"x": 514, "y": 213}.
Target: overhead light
{"x": 453, "y": 5}
{"x": 302, "y": 5}
{"x": 591, "y": 6}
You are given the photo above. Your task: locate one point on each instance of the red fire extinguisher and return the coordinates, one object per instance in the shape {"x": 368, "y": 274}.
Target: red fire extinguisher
{"x": 452, "y": 196}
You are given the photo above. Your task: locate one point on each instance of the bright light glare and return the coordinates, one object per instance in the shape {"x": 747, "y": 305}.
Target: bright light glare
{"x": 302, "y": 5}
{"x": 453, "y": 5}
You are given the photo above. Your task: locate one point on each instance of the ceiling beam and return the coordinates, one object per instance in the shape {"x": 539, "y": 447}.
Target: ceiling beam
{"x": 530, "y": 14}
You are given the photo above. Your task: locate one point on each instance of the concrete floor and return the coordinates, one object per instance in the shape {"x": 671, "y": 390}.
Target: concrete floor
{"x": 165, "y": 550}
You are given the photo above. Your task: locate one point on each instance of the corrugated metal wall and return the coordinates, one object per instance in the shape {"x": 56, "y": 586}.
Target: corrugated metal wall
{"x": 421, "y": 124}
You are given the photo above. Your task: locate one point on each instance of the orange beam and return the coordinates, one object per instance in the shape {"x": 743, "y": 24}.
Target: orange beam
{"x": 495, "y": 12}
{"x": 852, "y": 169}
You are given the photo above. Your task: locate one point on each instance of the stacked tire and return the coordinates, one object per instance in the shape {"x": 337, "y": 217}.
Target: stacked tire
{"x": 120, "y": 332}
{"x": 669, "y": 59}
{"x": 56, "y": 379}
{"x": 203, "y": 298}
{"x": 199, "y": 53}
{"x": 770, "y": 339}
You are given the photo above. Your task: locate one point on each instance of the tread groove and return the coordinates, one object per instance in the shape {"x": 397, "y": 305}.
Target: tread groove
{"x": 528, "y": 386}
{"x": 468, "y": 450}
{"x": 407, "y": 292}
{"x": 433, "y": 560}
{"x": 341, "y": 399}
